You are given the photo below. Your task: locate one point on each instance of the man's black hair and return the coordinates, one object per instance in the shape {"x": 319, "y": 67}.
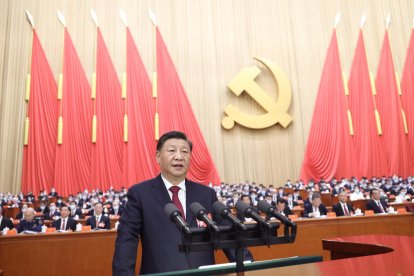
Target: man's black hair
{"x": 173, "y": 135}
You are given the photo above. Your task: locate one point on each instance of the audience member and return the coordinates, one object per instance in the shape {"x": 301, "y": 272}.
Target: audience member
{"x": 29, "y": 223}
{"x": 99, "y": 221}
{"x": 375, "y": 203}
{"x": 316, "y": 208}
{"x": 65, "y": 222}
{"x": 342, "y": 208}
{"x": 5, "y": 222}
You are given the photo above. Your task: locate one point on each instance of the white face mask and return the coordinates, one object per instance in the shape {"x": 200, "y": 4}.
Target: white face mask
{"x": 72, "y": 207}
{"x": 59, "y": 201}
{"x": 115, "y": 207}
{"x": 52, "y": 208}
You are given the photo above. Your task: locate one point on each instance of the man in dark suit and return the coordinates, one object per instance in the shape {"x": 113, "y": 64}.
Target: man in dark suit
{"x": 316, "y": 208}
{"x": 99, "y": 221}
{"x": 75, "y": 212}
{"x": 144, "y": 216}
{"x": 29, "y": 223}
{"x": 282, "y": 208}
{"x": 5, "y": 222}
{"x": 376, "y": 204}
{"x": 65, "y": 222}
{"x": 53, "y": 212}
{"x": 342, "y": 208}
{"x": 116, "y": 209}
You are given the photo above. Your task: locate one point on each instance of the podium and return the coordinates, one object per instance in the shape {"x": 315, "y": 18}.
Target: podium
{"x": 254, "y": 266}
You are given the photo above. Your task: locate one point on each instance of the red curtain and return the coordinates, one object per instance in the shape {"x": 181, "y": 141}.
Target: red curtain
{"x": 389, "y": 107}
{"x": 407, "y": 98}
{"x": 73, "y": 156}
{"x": 39, "y": 154}
{"x": 329, "y": 152}
{"x": 368, "y": 144}
{"x": 139, "y": 152}
{"x": 175, "y": 113}
{"x": 107, "y": 151}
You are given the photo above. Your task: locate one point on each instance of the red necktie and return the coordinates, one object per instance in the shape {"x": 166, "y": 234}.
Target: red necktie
{"x": 63, "y": 227}
{"x": 380, "y": 207}
{"x": 176, "y": 200}
{"x": 346, "y": 210}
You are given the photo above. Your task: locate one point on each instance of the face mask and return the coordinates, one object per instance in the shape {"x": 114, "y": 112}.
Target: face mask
{"x": 72, "y": 207}
{"x": 116, "y": 207}
{"x": 290, "y": 198}
{"x": 52, "y": 208}
{"x": 23, "y": 210}
{"x": 356, "y": 191}
{"x": 59, "y": 201}
{"x": 42, "y": 207}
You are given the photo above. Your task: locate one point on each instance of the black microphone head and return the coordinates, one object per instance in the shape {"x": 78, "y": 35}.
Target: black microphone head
{"x": 264, "y": 206}
{"x": 220, "y": 210}
{"x": 197, "y": 210}
{"x": 171, "y": 210}
{"x": 242, "y": 207}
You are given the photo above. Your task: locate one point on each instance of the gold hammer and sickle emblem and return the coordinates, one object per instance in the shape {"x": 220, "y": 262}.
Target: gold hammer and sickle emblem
{"x": 276, "y": 111}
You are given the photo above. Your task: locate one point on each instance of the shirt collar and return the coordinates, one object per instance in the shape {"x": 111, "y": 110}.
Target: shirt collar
{"x": 168, "y": 184}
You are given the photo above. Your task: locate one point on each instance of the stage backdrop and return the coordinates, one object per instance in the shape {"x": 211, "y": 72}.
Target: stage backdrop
{"x": 209, "y": 43}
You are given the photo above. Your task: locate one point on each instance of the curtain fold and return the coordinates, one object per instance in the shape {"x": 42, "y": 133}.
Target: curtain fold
{"x": 367, "y": 142}
{"x": 175, "y": 113}
{"x": 107, "y": 151}
{"x": 73, "y": 156}
{"x": 389, "y": 107}
{"x": 139, "y": 151}
{"x": 329, "y": 152}
{"x": 39, "y": 153}
{"x": 407, "y": 97}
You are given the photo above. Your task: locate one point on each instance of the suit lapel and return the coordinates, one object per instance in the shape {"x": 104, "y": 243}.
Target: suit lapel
{"x": 160, "y": 193}
{"x": 189, "y": 198}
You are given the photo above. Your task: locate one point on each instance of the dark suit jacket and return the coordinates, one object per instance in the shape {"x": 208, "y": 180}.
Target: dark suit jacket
{"x": 120, "y": 211}
{"x": 144, "y": 218}
{"x": 309, "y": 209}
{"x": 5, "y": 222}
{"x": 337, "y": 208}
{"x": 77, "y": 212}
{"x": 49, "y": 216}
{"x": 70, "y": 224}
{"x": 104, "y": 219}
{"x": 371, "y": 205}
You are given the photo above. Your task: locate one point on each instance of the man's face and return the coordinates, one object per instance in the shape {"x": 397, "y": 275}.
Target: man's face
{"x": 316, "y": 202}
{"x": 98, "y": 209}
{"x": 64, "y": 212}
{"x": 246, "y": 200}
{"x": 29, "y": 215}
{"x": 342, "y": 197}
{"x": 376, "y": 195}
{"x": 281, "y": 206}
{"x": 174, "y": 160}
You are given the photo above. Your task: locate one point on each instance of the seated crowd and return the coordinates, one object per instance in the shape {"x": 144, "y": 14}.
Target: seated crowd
{"x": 97, "y": 207}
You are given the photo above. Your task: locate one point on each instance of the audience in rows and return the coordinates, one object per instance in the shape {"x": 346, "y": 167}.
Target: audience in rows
{"x": 97, "y": 205}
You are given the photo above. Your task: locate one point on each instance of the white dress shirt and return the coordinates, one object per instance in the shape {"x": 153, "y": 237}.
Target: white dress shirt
{"x": 181, "y": 192}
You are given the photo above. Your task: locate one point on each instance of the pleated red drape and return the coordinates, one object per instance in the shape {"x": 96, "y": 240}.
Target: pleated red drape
{"x": 407, "y": 98}
{"x": 39, "y": 154}
{"x": 368, "y": 144}
{"x": 139, "y": 152}
{"x": 73, "y": 156}
{"x": 329, "y": 152}
{"x": 107, "y": 151}
{"x": 389, "y": 107}
{"x": 175, "y": 113}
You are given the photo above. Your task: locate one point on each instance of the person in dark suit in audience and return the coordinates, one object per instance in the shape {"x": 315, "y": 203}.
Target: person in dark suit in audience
{"x": 282, "y": 208}
{"x": 75, "y": 212}
{"x": 59, "y": 202}
{"x": 375, "y": 203}
{"x": 99, "y": 221}
{"x": 29, "y": 223}
{"x": 5, "y": 222}
{"x": 116, "y": 209}
{"x": 316, "y": 208}
{"x": 53, "y": 193}
{"x": 290, "y": 201}
{"x": 144, "y": 216}
{"x": 53, "y": 212}
{"x": 20, "y": 215}
{"x": 65, "y": 222}
{"x": 342, "y": 208}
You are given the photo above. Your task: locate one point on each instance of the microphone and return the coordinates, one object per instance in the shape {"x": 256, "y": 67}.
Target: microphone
{"x": 247, "y": 211}
{"x": 175, "y": 215}
{"x": 201, "y": 214}
{"x": 222, "y": 211}
{"x": 271, "y": 211}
